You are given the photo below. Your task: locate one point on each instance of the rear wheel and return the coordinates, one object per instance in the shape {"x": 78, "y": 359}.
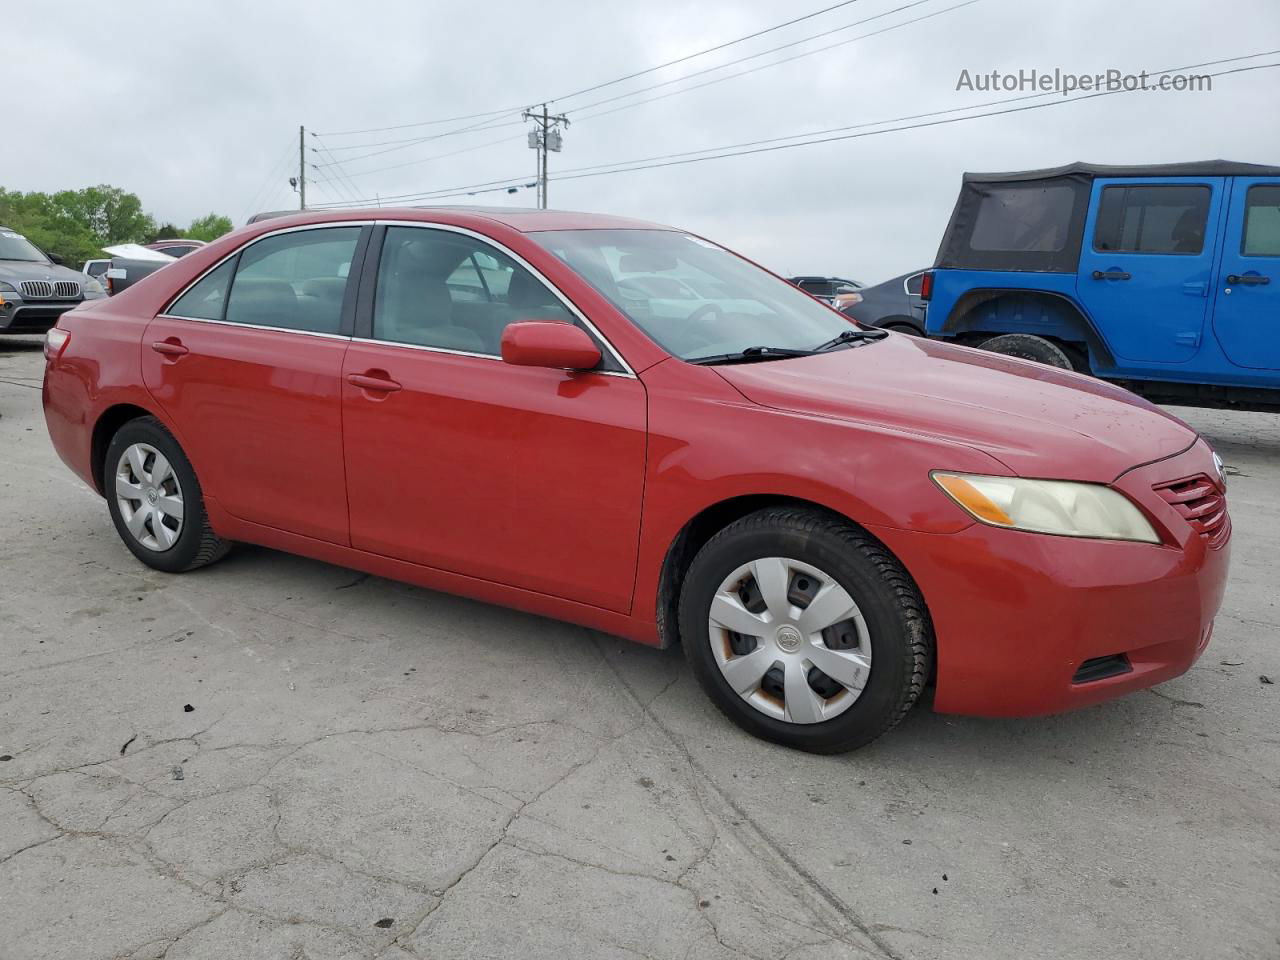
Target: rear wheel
{"x": 906, "y": 328}
{"x": 1026, "y": 346}
{"x": 155, "y": 499}
{"x": 805, "y": 631}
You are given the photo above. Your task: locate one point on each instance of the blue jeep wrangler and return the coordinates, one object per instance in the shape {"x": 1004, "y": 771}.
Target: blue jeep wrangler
{"x": 1165, "y": 279}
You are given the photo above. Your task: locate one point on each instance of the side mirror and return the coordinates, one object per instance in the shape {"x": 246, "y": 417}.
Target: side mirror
{"x": 56, "y": 259}
{"x": 548, "y": 343}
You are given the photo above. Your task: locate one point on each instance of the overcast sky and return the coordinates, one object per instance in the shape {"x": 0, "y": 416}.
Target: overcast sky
{"x": 196, "y": 107}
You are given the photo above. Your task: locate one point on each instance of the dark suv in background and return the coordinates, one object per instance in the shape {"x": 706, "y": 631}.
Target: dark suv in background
{"x": 34, "y": 290}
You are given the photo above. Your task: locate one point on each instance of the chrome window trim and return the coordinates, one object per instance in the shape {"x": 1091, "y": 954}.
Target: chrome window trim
{"x": 907, "y": 280}
{"x": 253, "y": 326}
{"x": 477, "y": 356}
{"x": 238, "y": 250}
{"x": 537, "y": 274}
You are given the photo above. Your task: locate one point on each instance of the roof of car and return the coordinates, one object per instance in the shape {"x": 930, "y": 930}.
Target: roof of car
{"x": 524, "y": 219}
{"x": 1196, "y": 168}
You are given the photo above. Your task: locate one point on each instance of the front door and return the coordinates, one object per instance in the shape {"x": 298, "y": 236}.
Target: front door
{"x": 1246, "y": 316}
{"x": 1146, "y": 264}
{"x": 523, "y": 476}
{"x": 247, "y": 364}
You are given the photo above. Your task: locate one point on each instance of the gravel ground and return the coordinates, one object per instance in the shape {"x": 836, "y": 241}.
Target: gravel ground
{"x": 276, "y": 758}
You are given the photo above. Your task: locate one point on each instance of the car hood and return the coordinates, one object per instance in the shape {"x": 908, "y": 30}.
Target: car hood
{"x": 13, "y": 271}
{"x": 1039, "y": 421}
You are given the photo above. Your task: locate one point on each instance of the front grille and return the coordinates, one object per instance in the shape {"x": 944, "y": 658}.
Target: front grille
{"x": 1201, "y": 504}
{"x": 65, "y": 289}
{"x": 36, "y": 289}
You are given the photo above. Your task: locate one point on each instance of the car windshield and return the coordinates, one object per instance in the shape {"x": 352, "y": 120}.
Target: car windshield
{"x": 14, "y": 246}
{"x": 694, "y": 298}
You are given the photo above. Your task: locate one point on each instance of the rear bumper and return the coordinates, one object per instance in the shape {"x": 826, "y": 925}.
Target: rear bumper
{"x": 1017, "y": 614}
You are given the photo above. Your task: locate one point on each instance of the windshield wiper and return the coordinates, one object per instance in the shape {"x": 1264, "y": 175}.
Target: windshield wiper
{"x": 851, "y": 336}
{"x": 750, "y": 354}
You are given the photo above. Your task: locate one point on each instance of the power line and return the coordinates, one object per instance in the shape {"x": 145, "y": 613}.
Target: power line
{"x": 872, "y": 133}
{"x": 763, "y": 53}
{"x": 607, "y": 83}
{"x": 732, "y": 150}
{"x": 775, "y": 63}
{"x": 696, "y": 74}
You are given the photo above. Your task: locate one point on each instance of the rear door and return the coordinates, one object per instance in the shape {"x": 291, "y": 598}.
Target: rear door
{"x": 247, "y": 363}
{"x": 1146, "y": 264}
{"x": 1246, "y": 317}
{"x": 523, "y": 476}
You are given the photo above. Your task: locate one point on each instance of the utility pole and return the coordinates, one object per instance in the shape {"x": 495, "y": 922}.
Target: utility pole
{"x": 545, "y": 138}
{"x": 302, "y": 168}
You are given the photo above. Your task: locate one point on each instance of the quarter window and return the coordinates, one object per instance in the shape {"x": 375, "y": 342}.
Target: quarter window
{"x": 1152, "y": 219}
{"x": 1032, "y": 218}
{"x": 1262, "y": 222}
{"x": 295, "y": 281}
{"x": 913, "y": 284}
{"x": 208, "y": 298}
{"x": 454, "y": 292}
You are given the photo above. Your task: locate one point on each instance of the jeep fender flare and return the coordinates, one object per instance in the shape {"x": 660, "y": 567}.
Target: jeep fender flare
{"x": 964, "y": 317}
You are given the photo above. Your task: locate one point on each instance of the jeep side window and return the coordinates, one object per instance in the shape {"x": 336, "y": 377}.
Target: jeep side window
{"x": 1262, "y": 222}
{"x": 1152, "y": 219}
{"x": 1023, "y": 217}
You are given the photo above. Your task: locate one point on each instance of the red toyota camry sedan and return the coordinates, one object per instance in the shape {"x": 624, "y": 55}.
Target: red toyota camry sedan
{"x": 629, "y": 427}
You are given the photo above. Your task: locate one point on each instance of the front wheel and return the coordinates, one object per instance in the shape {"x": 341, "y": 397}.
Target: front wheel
{"x": 155, "y": 499}
{"x": 805, "y": 631}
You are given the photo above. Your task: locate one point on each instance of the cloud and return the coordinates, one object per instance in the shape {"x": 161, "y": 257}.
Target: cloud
{"x": 196, "y": 107}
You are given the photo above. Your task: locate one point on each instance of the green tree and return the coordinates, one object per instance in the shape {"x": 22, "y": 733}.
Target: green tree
{"x": 48, "y": 225}
{"x": 112, "y": 215}
{"x": 208, "y": 227}
{"x": 165, "y": 231}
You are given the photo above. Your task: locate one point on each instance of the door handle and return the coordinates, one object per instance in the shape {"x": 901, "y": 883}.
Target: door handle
{"x": 170, "y": 348}
{"x": 1110, "y": 275}
{"x": 1252, "y": 278}
{"x": 366, "y": 382}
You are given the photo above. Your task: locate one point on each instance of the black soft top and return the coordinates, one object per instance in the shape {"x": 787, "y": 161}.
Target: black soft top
{"x": 1033, "y": 220}
{"x": 1193, "y": 168}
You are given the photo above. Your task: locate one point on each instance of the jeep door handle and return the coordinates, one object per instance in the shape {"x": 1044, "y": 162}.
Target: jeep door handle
{"x": 1236, "y": 279}
{"x": 170, "y": 348}
{"x": 381, "y": 384}
{"x": 1110, "y": 275}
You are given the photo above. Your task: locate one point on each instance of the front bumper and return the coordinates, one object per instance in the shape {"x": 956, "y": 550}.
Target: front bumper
{"x": 31, "y": 316}
{"x": 1017, "y": 614}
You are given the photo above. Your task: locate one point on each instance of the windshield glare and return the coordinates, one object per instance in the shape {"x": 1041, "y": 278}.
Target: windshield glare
{"x": 14, "y": 246}
{"x": 694, "y": 298}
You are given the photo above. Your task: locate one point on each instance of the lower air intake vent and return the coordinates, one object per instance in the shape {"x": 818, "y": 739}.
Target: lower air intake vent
{"x": 1099, "y": 668}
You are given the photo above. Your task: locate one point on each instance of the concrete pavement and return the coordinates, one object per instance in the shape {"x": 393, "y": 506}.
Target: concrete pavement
{"x": 276, "y": 758}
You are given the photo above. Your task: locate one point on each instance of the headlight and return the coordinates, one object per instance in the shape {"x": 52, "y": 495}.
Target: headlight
{"x": 7, "y": 287}
{"x": 91, "y": 285}
{"x": 1048, "y": 506}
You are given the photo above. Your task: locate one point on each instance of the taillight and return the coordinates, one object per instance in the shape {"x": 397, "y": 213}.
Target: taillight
{"x": 926, "y": 285}
{"x": 55, "y": 341}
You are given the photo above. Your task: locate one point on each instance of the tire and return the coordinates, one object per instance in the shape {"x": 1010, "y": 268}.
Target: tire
{"x": 904, "y": 328}
{"x": 1024, "y": 346}
{"x": 895, "y": 638}
{"x": 175, "y": 541}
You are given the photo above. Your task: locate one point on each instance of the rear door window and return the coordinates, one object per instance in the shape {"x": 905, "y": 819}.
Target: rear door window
{"x": 295, "y": 281}
{"x": 206, "y": 300}
{"x": 1166, "y": 219}
{"x": 1262, "y": 221}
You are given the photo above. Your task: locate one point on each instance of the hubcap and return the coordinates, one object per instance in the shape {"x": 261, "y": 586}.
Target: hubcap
{"x": 790, "y": 640}
{"x": 149, "y": 497}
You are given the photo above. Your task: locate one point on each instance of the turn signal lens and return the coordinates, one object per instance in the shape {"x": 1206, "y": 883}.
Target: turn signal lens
{"x": 1049, "y": 506}
{"x": 55, "y": 341}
